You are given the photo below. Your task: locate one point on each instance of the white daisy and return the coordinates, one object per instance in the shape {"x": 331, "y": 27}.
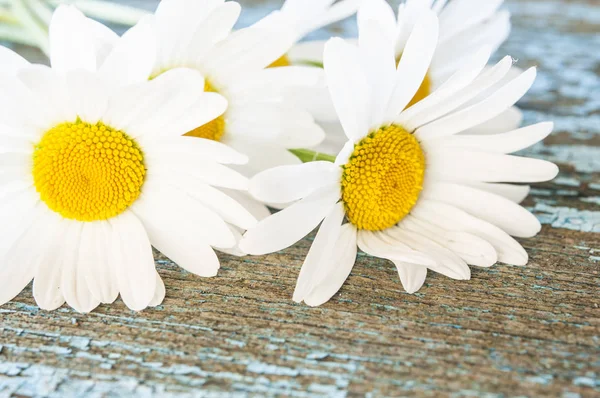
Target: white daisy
{"x": 411, "y": 189}
{"x": 258, "y": 122}
{"x": 465, "y": 27}
{"x": 94, "y": 170}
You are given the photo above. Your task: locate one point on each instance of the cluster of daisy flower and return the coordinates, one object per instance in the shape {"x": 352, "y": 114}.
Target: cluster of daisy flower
{"x": 182, "y": 134}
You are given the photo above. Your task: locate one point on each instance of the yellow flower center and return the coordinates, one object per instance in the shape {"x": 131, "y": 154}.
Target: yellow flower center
{"x": 383, "y": 178}
{"x": 281, "y": 61}
{"x": 88, "y": 172}
{"x": 212, "y": 130}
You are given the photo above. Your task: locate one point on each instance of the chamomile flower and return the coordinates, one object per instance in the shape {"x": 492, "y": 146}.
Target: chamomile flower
{"x": 411, "y": 189}
{"x": 465, "y": 27}
{"x": 258, "y": 122}
{"x": 94, "y": 170}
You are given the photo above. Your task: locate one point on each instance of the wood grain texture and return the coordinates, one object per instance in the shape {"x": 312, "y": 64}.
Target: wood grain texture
{"x": 510, "y": 331}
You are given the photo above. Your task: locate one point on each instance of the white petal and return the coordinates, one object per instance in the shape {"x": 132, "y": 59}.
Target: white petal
{"x": 485, "y": 110}
{"x": 51, "y": 88}
{"x": 72, "y": 281}
{"x": 71, "y": 45}
{"x": 159, "y": 292}
{"x": 508, "y": 120}
{"x": 256, "y": 208}
{"x": 47, "y": 289}
{"x": 88, "y": 95}
{"x": 510, "y": 142}
{"x": 414, "y": 63}
{"x": 227, "y": 208}
{"x": 160, "y": 204}
{"x": 412, "y": 276}
{"x": 320, "y": 253}
{"x": 459, "y": 15}
{"x": 206, "y": 171}
{"x": 199, "y": 147}
{"x": 509, "y": 216}
{"x": 286, "y": 184}
{"x": 155, "y": 104}
{"x": 472, "y": 249}
{"x": 372, "y": 244}
{"x": 447, "y": 262}
{"x": 515, "y": 193}
{"x": 179, "y": 241}
{"x": 136, "y": 273}
{"x": 215, "y": 28}
{"x": 449, "y": 217}
{"x": 450, "y": 99}
{"x": 378, "y": 11}
{"x": 11, "y": 62}
{"x": 290, "y": 225}
{"x": 274, "y": 123}
{"x": 262, "y": 156}
{"x": 379, "y": 62}
{"x": 335, "y": 273}
{"x": 132, "y": 58}
{"x": 307, "y": 52}
{"x": 96, "y": 261}
{"x": 465, "y": 165}
{"x": 349, "y": 87}
{"x": 19, "y": 264}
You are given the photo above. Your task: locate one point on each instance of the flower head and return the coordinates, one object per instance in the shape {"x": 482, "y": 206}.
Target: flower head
{"x": 95, "y": 170}
{"x": 411, "y": 185}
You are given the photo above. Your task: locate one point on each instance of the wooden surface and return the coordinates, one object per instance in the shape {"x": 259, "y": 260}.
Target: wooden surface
{"x": 510, "y": 331}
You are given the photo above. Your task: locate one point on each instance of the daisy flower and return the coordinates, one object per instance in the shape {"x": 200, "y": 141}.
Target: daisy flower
{"x": 465, "y": 27}
{"x": 406, "y": 187}
{"x": 258, "y": 121}
{"x": 94, "y": 170}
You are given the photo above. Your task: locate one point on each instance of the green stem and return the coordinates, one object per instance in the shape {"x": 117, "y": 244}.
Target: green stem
{"x": 306, "y": 155}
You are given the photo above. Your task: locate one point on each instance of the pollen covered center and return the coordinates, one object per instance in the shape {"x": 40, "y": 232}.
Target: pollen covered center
{"x": 212, "y": 130}
{"x": 88, "y": 172}
{"x": 383, "y": 178}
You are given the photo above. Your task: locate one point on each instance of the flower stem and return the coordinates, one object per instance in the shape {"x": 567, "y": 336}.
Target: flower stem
{"x": 306, "y": 155}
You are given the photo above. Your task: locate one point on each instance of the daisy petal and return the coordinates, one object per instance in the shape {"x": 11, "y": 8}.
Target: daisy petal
{"x": 135, "y": 269}
{"x": 72, "y": 282}
{"x": 290, "y": 225}
{"x": 159, "y": 292}
{"x": 412, "y": 276}
{"x": 414, "y": 63}
{"x": 465, "y": 165}
{"x": 449, "y": 217}
{"x": 96, "y": 262}
{"x": 11, "y": 62}
{"x": 336, "y": 271}
{"x": 274, "y": 185}
{"x": 485, "y": 110}
{"x": 515, "y": 193}
{"x": 160, "y": 204}
{"x": 447, "y": 262}
{"x": 320, "y": 253}
{"x": 202, "y": 148}
{"x": 373, "y": 244}
{"x": 132, "y": 59}
{"x": 472, "y": 249}
{"x": 349, "y": 87}
{"x": 178, "y": 241}
{"x": 509, "y": 216}
{"x": 68, "y": 50}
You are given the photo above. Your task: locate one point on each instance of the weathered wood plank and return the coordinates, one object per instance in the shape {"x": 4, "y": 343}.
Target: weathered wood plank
{"x": 527, "y": 331}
